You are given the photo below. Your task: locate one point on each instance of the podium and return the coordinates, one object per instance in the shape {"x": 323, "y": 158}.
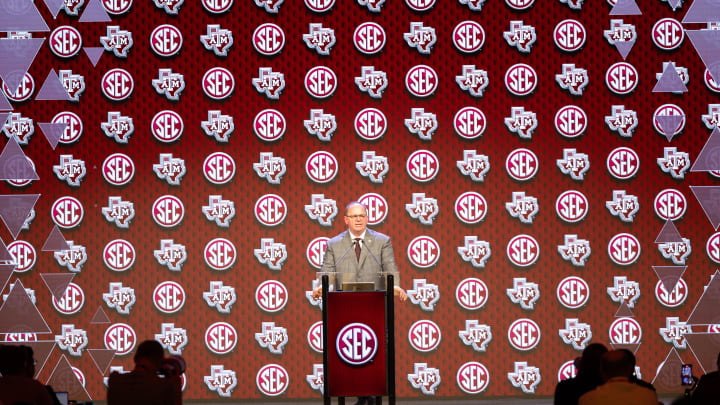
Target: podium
{"x": 359, "y": 343}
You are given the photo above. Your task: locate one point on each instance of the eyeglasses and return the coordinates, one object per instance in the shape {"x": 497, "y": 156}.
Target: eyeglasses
{"x": 356, "y": 216}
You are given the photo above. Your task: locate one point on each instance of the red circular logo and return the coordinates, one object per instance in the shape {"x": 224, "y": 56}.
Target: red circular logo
{"x": 65, "y": 41}
{"x": 168, "y": 211}
{"x": 424, "y": 335}
{"x": 24, "y": 255}
{"x": 573, "y": 292}
{"x": 356, "y": 344}
{"x": 74, "y": 128}
{"x": 117, "y": 84}
{"x": 670, "y": 204}
{"x": 320, "y": 82}
{"x": 13, "y": 165}
{"x": 271, "y": 296}
{"x": 422, "y": 165}
{"x": 521, "y": 79}
{"x": 221, "y": 338}
{"x": 472, "y": 377}
{"x": 567, "y": 371}
{"x": 314, "y": 337}
{"x": 524, "y": 334}
{"x": 470, "y": 122}
{"x": 713, "y": 247}
{"x": 369, "y": 38}
{"x": 569, "y": 35}
{"x": 270, "y": 209}
{"x": 376, "y": 206}
{"x": 423, "y": 252}
{"x": 218, "y": 83}
{"x": 166, "y": 40}
{"x": 269, "y": 125}
{"x": 71, "y": 301}
{"x": 220, "y": 254}
{"x": 119, "y": 255}
{"x": 667, "y": 110}
{"x": 671, "y": 299}
{"x": 272, "y": 379}
{"x": 268, "y": 39}
{"x": 623, "y": 163}
{"x": 621, "y": 78}
{"x": 117, "y": 6}
{"x": 421, "y": 80}
{"x": 67, "y": 212}
{"x": 420, "y": 5}
{"x": 118, "y": 169}
{"x": 572, "y": 206}
{"x": 523, "y": 250}
{"x": 169, "y": 297}
{"x": 319, "y": 6}
{"x": 470, "y": 207}
{"x": 315, "y": 251}
{"x": 121, "y": 338}
{"x": 625, "y": 331}
{"x": 167, "y": 126}
{"x": 468, "y": 36}
{"x": 571, "y": 121}
{"x": 219, "y": 168}
{"x": 668, "y": 34}
{"x": 23, "y": 91}
{"x": 321, "y": 167}
{"x": 471, "y": 293}
{"x": 624, "y": 249}
{"x": 710, "y": 82}
{"x": 370, "y": 124}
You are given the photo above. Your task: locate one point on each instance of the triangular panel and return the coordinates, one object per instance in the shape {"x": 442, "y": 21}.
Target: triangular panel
{"x": 667, "y": 378}
{"x": 705, "y": 347}
{"x": 63, "y": 379}
{"x": 625, "y": 7}
{"x": 53, "y": 131}
{"x": 19, "y": 315}
{"x": 633, "y": 347}
{"x": 6, "y": 271}
{"x": 57, "y": 283}
{"x": 706, "y": 310}
{"x": 624, "y": 47}
{"x": 55, "y": 241}
{"x": 14, "y": 164}
{"x": 624, "y": 311}
{"x": 14, "y": 210}
{"x": 94, "y": 12}
{"x": 41, "y": 351}
{"x": 707, "y": 43}
{"x": 94, "y": 53}
{"x": 669, "y": 233}
{"x": 52, "y": 88}
{"x": 669, "y": 275}
{"x": 670, "y": 81}
{"x": 100, "y": 317}
{"x": 709, "y": 199}
{"x": 669, "y": 124}
{"x": 17, "y": 55}
{"x": 709, "y": 157}
{"x": 102, "y": 358}
{"x": 703, "y": 11}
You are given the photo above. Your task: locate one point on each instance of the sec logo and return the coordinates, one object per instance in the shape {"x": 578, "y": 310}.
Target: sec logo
{"x": 270, "y": 209}
{"x": 121, "y": 338}
{"x": 424, "y": 335}
{"x": 521, "y": 164}
{"x": 625, "y": 331}
{"x": 168, "y": 211}
{"x": 10, "y": 168}
{"x": 314, "y": 337}
{"x": 117, "y": 6}
{"x": 221, "y": 338}
{"x": 74, "y": 128}
{"x": 572, "y": 206}
{"x": 117, "y": 84}
{"x": 521, "y": 79}
{"x": 166, "y": 40}
{"x": 220, "y": 254}
{"x": 319, "y": 6}
{"x": 65, "y": 41}
{"x": 118, "y": 169}
{"x": 420, "y": 5}
{"x": 320, "y": 82}
{"x": 376, "y": 206}
{"x": 523, "y": 250}
{"x": 671, "y": 299}
{"x": 369, "y": 38}
{"x": 23, "y": 91}
{"x": 67, "y": 212}
{"x": 472, "y": 377}
{"x": 218, "y": 83}
{"x": 470, "y": 122}
{"x": 315, "y": 251}
{"x": 71, "y": 301}
{"x": 370, "y": 124}
{"x": 271, "y": 296}
{"x": 623, "y": 163}
{"x": 20, "y": 337}
{"x": 24, "y": 255}
{"x": 519, "y": 4}
{"x": 573, "y": 292}
{"x": 670, "y": 204}
{"x": 471, "y": 293}
{"x": 524, "y": 334}
{"x": 421, "y": 80}
{"x": 167, "y": 126}
{"x": 468, "y": 36}
{"x": 268, "y": 39}
{"x": 569, "y": 35}
{"x": 119, "y": 255}
{"x": 217, "y": 6}
{"x": 422, "y": 165}
{"x": 321, "y": 167}
{"x": 169, "y": 297}
{"x": 624, "y": 249}
{"x": 710, "y": 82}
{"x": 423, "y": 252}
{"x": 269, "y": 125}
{"x": 571, "y": 121}
{"x": 666, "y": 110}
{"x": 621, "y": 78}
{"x": 667, "y": 34}
{"x": 713, "y": 247}
{"x": 219, "y": 168}
{"x": 272, "y": 380}
{"x": 567, "y": 371}
{"x": 356, "y": 344}
{"x": 470, "y": 207}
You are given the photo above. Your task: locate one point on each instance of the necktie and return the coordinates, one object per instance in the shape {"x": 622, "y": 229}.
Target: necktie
{"x": 357, "y": 248}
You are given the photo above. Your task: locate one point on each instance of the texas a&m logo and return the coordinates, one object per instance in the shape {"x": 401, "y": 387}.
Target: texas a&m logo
{"x": 572, "y": 79}
{"x": 625, "y": 331}
{"x": 220, "y": 297}
{"x": 621, "y": 120}
{"x": 71, "y": 301}
{"x": 119, "y": 255}
{"x": 119, "y": 212}
{"x": 169, "y": 84}
{"x": 218, "y": 125}
{"x": 67, "y": 212}
{"x": 169, "y": 297}
{"x": 322, "y": 209}
{"x": 321, "y": 124}
{"x": 523, "y": 293}
{"x": 320, "y": 38}
{"x": 676, "y": 251}
{"x": 521, "y": 79}
{"x": 422, "y": 208}
{"x": 575, "y": 250}
{"x": 576, "y": 333}
{"x": 71, "y": 7}
{"x": 421, "y": 123}
{"x": 121, "y": 338}
{"x": 420, "y": 37}
{"x": 522, "y": 122}
{"x": 620, "y": 32}
{"x": 112, "y": 86}
{"x": 272, "y": 337}
{"x": 65, "y": 41}
{"x": 372, "y": 5}
{"x": 520, "y": 36}
{"x": 218, "y": 83}
{"x": 72, "y": 258}
{"x": 70, "y": 170}
{"x": 219, "y": 40}
{"x": 476, "y": 335}
{"x": 171, "y": 338}
{"x": 424, "y": 294}
{"x": 219, "y": 211}
{"x": 220, "y": 380}
{"x": 171, "y": 254}
{"x": 573, "y": 292}
{"x": 120, "y": 298}
{"x": 523, "y": 250}
{"x": 118, "y": 126}
{"x": 72, "y": 340}
{"x": 271, "y": 253}
{"x": 271, "y": 6}
{"x": 373, "y": 167}
{"x": 20, "y": 127}
{"x": 424, "y": 378}
{"x": 624, "y": 291}
{"x": 674, "y": 332}
{"x": 472, "y": 80}
{"x": 473, "y": 165}
{"x": 270, "y": 167}
{"x": 525, "y": 377}
{"x": 170, "y": 6}
{"x": 674, "y": 163}
{"x": 170, "y": 169}
{"x": 524, "y": 334}
{"x": 623, "y": 206}
{"x": 269, "y": 83}
{"x": 475, "y": 251}
{"x": 712, "y": 118}
{"x": 522, "y": 207}
{"x": 474, "y": 5}
{"x": 472, "y": 377}
{"x": 424, "y": 335}
{"x": 674, "y": 298}
{"x": 574, "y": 164}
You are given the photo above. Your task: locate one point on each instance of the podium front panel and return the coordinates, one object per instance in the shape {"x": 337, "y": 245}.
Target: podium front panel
{"x": 356, "y": 344}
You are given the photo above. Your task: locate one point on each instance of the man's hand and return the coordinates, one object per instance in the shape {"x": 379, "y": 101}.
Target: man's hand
{"x": 399, "y": 292}
{"x": 317, "y": 293}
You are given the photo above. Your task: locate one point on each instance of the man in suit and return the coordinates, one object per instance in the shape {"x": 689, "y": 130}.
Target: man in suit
{"x": 360, "y": 254}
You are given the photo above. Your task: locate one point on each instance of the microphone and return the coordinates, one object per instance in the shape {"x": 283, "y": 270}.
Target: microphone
{"x": 344, "y": 254}
{"x": 382, "y": 268}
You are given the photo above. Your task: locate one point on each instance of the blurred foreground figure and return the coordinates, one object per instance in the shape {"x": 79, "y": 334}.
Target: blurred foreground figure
{"x": 17, "y": 384}
{"x": 567, "y": 392}
{"x": 617, "y": 369}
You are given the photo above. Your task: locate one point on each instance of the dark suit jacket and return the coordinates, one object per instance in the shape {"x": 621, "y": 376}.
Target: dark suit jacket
{"x": 340, "y": 258}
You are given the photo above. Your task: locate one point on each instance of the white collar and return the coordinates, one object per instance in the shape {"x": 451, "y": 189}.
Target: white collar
{"x": 361, "y": 237}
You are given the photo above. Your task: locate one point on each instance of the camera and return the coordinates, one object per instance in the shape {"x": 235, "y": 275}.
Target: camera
{"x": 172, "y": 366}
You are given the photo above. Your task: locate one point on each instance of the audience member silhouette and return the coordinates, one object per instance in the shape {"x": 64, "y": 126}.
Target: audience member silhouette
{"x": 630, "y": 357}
{"x": 17, "y": 386}
{"x": 707, "y": 391}
{"x": 567, "y": 392}
{"x": 617, "y": 368}
{"x": 143, "y": 385}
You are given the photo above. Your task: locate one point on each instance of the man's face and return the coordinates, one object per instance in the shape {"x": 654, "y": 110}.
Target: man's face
{"x": 356, "y": 219}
